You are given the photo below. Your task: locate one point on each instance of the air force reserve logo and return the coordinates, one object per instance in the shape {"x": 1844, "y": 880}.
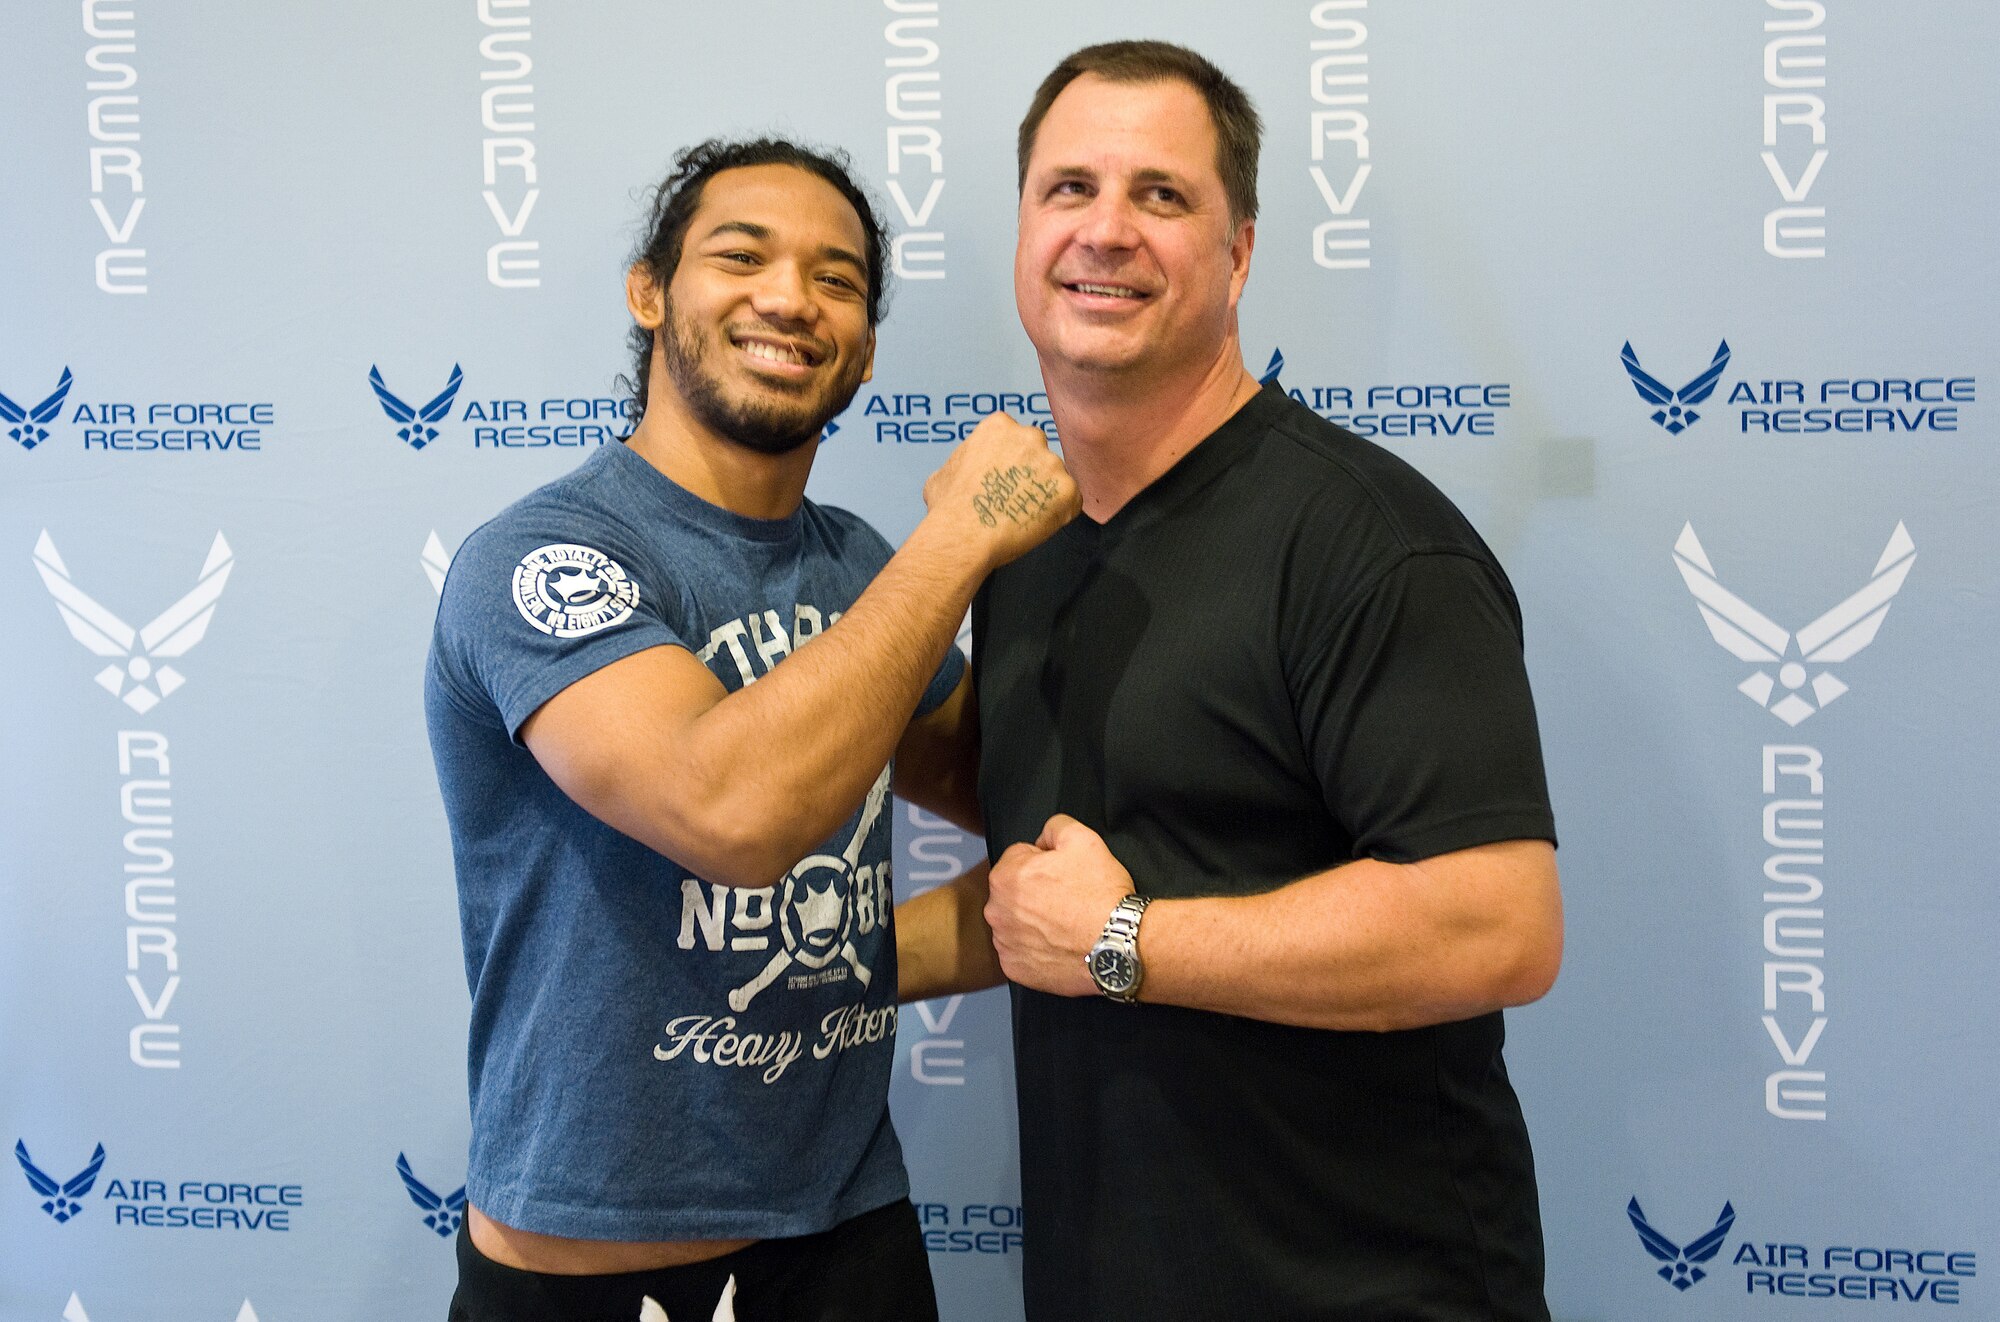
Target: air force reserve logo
{"x": 64, "y": 1198}
{"x": 1748, "y": 635}
{"x": 171, "y": 634}
{"x": 442, "y": 1213}
{"x": 416, "y": 429}
{"x": 568, "y": 591}
{"x": 1683, "y": 1265}
{"x": 27, "y": 423}
{"x": 1674, "y": 409}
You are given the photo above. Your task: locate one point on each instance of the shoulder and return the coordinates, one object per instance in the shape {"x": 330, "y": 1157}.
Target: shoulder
{"x": 1342, "y": 481}
{"x": 567, "y": 526}
{"x": 846, "y": 537}
{"x": 579, "y": 508}
{"x": 1357, "y": 517}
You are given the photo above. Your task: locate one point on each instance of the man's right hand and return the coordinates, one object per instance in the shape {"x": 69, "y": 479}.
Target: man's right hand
{"x": 1003, "y": 490}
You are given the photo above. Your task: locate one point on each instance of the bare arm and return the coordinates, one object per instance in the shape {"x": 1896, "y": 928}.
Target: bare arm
{"x": 1368, "y": 945}
{"x": 937, "y": 761}
{"x": 737, "y": 786}
{"x": 942, "y": 943}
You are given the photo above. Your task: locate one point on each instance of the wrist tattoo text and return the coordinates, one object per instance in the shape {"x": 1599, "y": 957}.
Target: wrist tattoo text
{"x": 1013, "y": 492}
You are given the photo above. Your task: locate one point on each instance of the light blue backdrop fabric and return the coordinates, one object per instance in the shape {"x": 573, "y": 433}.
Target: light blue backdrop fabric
{"x": 1756, "y": 626}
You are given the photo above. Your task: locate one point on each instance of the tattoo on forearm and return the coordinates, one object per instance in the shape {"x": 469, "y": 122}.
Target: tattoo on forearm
{"x": 1014, "y": 493}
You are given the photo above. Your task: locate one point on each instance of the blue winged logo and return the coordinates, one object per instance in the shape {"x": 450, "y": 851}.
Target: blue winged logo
{"x": 416, "y": 428}
{"x": 1272, "y": 368}
{"x": 1674, "y": 409}
{"x": 27, "y": 425}
{"x": 442, "y": 1215}
{"x": 65, "y": 1199}
{"x": 1682, "y": 1264}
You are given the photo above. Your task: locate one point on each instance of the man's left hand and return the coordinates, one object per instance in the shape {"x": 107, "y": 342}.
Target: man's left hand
{"x": 1047, "y": 904}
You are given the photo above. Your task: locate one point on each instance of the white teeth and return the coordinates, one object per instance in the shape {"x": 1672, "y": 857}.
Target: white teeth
{"x": 1110, "y": 291}
{"x": 773, "y": 352}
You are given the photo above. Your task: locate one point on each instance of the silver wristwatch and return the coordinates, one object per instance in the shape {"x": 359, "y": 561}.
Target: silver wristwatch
{"x": 1114, "y": 961}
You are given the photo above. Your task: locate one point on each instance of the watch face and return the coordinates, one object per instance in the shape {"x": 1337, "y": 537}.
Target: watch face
{"x": 1112, "y": 968}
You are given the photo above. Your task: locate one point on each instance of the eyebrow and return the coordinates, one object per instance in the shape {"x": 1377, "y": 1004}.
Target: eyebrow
{"x": 762, "y": 233}
{"x": 1151, "y": 175}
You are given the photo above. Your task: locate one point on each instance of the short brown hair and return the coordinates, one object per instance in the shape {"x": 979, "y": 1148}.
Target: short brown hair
{"x": 1238, "y": 130}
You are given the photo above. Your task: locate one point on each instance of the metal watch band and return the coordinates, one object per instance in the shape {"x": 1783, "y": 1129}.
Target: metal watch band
{"x": 1123, "y": 925}
{"x": 1121, "y": 933}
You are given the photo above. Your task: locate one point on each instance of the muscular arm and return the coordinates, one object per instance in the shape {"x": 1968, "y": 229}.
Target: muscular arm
{"x": 1368, "y": 945}
{"x": 737, "y": 786}
{"x": 942, "y": 943}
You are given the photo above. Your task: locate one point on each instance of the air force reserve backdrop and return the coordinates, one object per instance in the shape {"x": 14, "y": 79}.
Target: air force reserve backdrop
{"x": 1688, "y": 305}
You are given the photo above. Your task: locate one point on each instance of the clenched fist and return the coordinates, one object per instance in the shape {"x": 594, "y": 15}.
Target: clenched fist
{"x": 1047, "y": 904}
{"x": 1003, "y": 489}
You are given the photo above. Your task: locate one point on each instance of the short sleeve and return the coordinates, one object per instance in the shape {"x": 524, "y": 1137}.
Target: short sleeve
{"x": 1416, "y": 714}
{"x": 525, "y": 614}
{"x": 949, "y": 672}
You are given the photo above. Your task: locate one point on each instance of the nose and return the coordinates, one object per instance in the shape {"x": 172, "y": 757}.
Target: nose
{"x": 1108, "y": 224}
{"x": 783, "y": 295}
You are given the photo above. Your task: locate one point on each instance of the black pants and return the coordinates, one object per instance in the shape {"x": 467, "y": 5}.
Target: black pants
{"x": 872, "y": 1268}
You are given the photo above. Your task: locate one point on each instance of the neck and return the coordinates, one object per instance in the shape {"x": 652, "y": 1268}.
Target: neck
{"x": 721, "y": 472}
{"x": 1120, "y": 433}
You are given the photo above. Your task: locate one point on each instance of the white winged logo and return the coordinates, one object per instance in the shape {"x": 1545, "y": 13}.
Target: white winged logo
{"x": 1749, "y": 635}
{"x": 436, "y": 561}
{"x": 170, "y": 634}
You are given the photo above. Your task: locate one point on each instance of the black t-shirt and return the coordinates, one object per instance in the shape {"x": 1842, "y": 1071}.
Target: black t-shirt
{"x": 1289, "y": 652}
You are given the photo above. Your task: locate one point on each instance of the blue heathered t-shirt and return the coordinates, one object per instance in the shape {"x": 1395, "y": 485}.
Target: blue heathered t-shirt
{"x": 654, "y": 1056}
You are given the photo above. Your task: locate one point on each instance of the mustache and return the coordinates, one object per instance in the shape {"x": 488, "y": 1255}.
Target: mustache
{"x": 820, "y": 349}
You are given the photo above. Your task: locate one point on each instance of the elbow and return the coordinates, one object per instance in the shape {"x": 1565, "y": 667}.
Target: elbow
{"x": 1530, "y": 972}
{"x": 729, "y": 851}
{"x": 719, "y": 839}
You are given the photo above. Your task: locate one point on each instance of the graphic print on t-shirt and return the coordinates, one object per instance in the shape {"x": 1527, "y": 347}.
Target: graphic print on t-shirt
{"x": 567, "y": 591}
{"x": 816, "y": 913}
{"x": 824, "y": 903}
{"x": 821, "y": 910}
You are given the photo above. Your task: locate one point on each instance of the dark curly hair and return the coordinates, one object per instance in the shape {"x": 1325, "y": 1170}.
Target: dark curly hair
{"x": 679, "y": 194}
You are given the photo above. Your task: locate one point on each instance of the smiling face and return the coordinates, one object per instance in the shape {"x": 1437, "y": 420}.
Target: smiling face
{"x": 1128, "y": 261}
{"x": 764, "y": 332}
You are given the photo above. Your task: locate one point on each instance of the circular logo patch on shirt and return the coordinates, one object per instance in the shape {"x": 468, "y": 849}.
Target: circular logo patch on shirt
{"x": 568, "y": 591}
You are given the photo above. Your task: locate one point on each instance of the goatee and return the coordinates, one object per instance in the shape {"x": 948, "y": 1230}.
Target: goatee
{"x": 761, "y": 424}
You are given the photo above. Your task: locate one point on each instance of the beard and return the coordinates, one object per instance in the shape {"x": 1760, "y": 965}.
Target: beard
{"x": 775, "y": 421}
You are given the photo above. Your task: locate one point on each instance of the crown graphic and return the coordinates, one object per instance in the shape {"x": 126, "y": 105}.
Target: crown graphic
{"x": 1682, "y": 1269}
{"x": 171, "y": 634}
{"x": 416, "y": 428}
{"x": 1676, "y": 407}
{"x": 27, "y": 428}
{"x": 573, "y": 585}
{"x": 64, "y": 1198}
{"x": 1749, "y": 635}
{"x": 819, "y": 915}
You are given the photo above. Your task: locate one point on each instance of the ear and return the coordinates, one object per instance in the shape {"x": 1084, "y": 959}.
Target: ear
{"x": 1239, "y": 259}
{"x": 868, "y": 368}
{"x": 645, "y": 299}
